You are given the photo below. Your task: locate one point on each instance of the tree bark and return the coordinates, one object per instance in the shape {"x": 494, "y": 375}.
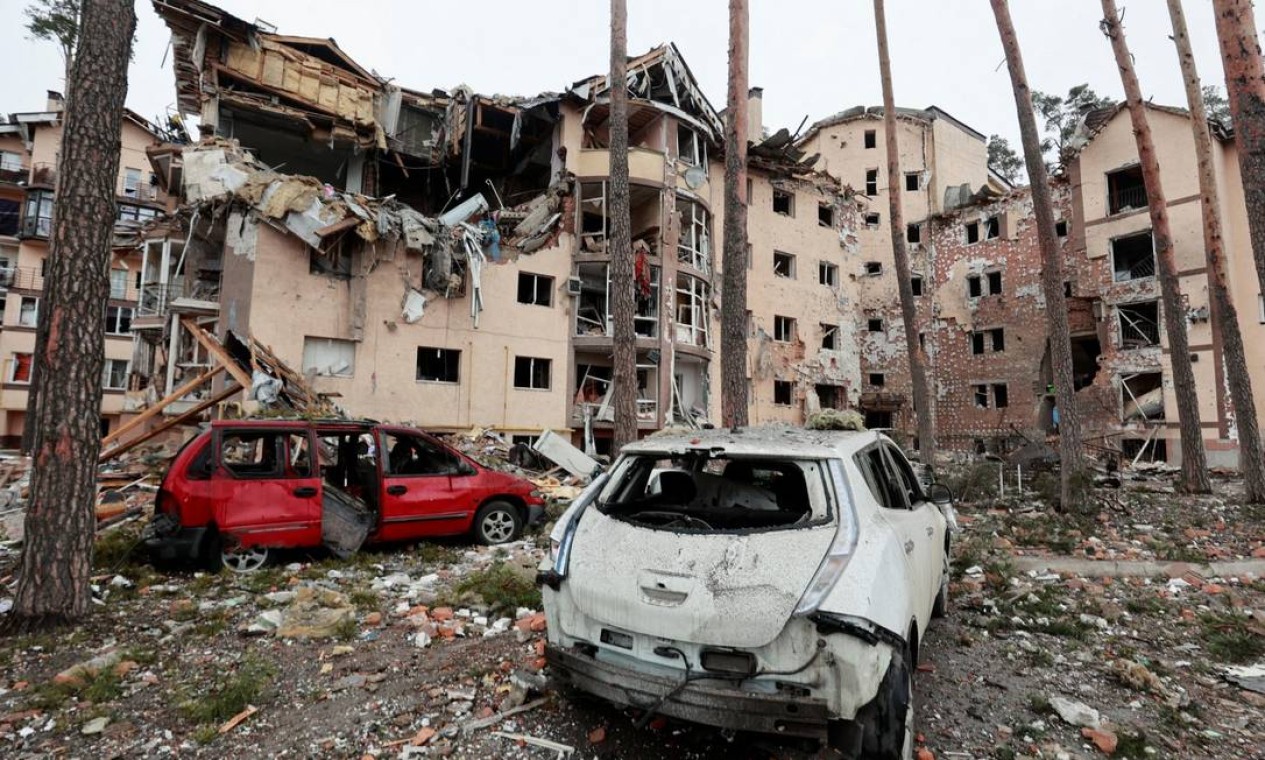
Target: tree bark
{"x": 1071, "y": 454}
{"x": 619, "y": 242}
{"x": 733, "y": 316}
{"x": 917, "y": 358}
{"x": 1194, "y": 463}
{"x": 1245, "y": 90}
{"x": 53, "y": 583}
{"x": 1224, "y": 313}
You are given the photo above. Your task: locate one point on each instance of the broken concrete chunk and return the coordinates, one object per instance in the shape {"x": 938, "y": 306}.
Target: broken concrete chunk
{"x": 1075, "y": 713}
{"x": 414, "y": 306}
{"x": 316, "y": 613}
{"x": 95, "y": 726}
{"x": 77, "y": 675}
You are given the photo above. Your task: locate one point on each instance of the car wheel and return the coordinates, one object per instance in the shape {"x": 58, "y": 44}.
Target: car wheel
{"x": 887, "y": 721}
{"x": 244, "y": 559}
{"x": 941, "y": 606}
{"x": 497, "y": 523}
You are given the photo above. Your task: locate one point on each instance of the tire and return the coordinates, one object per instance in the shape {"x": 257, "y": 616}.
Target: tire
{"x": 497, "y": 523}
{"x": 887, "y": 722}
{"x": 941, "y": 606}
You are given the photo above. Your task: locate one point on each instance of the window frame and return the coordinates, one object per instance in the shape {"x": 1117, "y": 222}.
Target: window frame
{"x": 107, "y": 374}
{"x": 442, "y": 351}
{"x": 532, "y": 364}
{"x": 783, "y": 325}
{"x": 536, "y": 280}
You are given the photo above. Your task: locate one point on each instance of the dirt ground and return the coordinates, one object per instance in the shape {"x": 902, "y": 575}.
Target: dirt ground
{"x": 422, "y": 645}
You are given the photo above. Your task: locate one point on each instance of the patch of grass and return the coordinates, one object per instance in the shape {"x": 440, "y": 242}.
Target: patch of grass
{"x": 115, "y": 548}
{"x": 206, "y": 733}
{"x": 1171, "y": 552}
{"x": 1229, "y": 639}
{"x": 230, "y": 694}
{"x": 105, "y": 686}
{"x": 1144, "y": 605}
{"x": 976, "y": 482}
{"x": 1131, "y": 745}
{"x": 48, "y": 696}
{"x": 428, "y": 553}
{"x": 346, "y": 629}
{"x": 365, "y": 600}
{"x": 1041, "y": 658}
{"x": 501, "y": 588}
{"x": 212, "y": 624}
{"x": 1040, "y": 704}
{"x": 1071, "y": 629}
{"x": 263, "y": 580}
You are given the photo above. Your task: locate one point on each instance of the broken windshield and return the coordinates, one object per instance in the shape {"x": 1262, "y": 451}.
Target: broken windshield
{"x": 703, "y": 492}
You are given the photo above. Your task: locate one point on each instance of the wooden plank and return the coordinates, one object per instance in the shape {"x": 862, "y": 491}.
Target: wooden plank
{"x": 149, "y": 412}
{"x": 178, "y": 420}
{"x": 216, "y": 350}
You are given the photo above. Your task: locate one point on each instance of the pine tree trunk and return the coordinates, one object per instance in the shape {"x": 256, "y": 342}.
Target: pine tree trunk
{"x": 1071, "y": 454}
{"x": 1245, "y": 90}
{"x": 917, "y": 358}
{"x": 619, "y": 242}
{"x": 1194, "y": 463}
{"x": 1224, "y": 313}
{"x": 53, "y": 584}
{"x": 733, "y": 316}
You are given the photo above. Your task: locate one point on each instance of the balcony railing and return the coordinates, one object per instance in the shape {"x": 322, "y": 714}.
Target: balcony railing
{"x": 1127, "y": 198}
{"x": 23, "y": 278}
{"x": 14, "y": 173}
{"x": 156, "y": 299}
{"x": 44, "y": 175}
{"x": 140, "y": 192}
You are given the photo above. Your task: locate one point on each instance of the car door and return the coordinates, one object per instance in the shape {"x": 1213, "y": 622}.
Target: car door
{"x": 418, "y": 498}
{"x": 268, "y": 493}
{"x": 925, "y": 528}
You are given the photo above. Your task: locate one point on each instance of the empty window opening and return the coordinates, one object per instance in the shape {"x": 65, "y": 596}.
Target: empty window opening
{"x": 1144, "y": 449}
{"x": 691, "y": 147}
{"x": 1001, "y": 395}
{"x": 1142, "y": 397}
{"x": 974, "y": 286}
{"x": 329, "y": 357}
{"x": 593, "y": 308}
{"x": 871, "y": 139}
{"x": 438, "y": 365}
{"x": 1133, "y": 257}
{"x": 830, "y": 337}
{"x": 1060, "y": 228}
{"x": 1085, "y": 353}
{"x": 981, "y": 395}
{"x": 876, "y": 419}
{"x": 28, "y": 311}
{"x": 783, "y": 392}
{"x": 535, "y": 289}
{"x": 532, "y": 373}
{"x": 994, "y": 283}
{"x": 874, "y": 325}
{"x": 783, "y": 202}
{"x": 872, "y": 219}
{"x": 915, "y": 284}
{"x": 828, "y": 274}
{"x": 913, "y": 181}
{"x": 1125, "y": 190}
{"x": 1139, "y": 324}
{"x": 922, "y": 341}
{"x": 692, "y": 313}
{"x": 832, "y": 396}
{"x": 825, "y": 215}
{"x": 913, "y": 233}
{"x": 871, "y": 181}
{"x": 993, "y": 339}
{"x": 694, "y": 246}
{"x": 118, "y": 320}
{"x": 784, "y": 265}
{"x": 873, "y": 268}
{"x": 1067, "y": 289}
{"x": 972, "y": 232}
{"x": 992, "y": 228}
{"x": 877, "y": 379}
{"x": 783, "y": 329}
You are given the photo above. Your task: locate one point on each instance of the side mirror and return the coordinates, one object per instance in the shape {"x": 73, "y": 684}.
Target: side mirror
{"x": 939, "y": 493}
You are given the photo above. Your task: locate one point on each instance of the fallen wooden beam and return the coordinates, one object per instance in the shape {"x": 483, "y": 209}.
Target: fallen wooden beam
{"x": 151, "y": 411}
{"x": 215, "y": 349}
{"x": 177, "y": 420}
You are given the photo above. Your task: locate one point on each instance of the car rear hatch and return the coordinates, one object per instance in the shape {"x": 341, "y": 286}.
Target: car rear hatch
{"x": 716, "y": 553}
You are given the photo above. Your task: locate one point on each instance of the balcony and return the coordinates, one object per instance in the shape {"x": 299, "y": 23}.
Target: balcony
{"x": 43, "y": 175}
{"x": 141, "y": 192}
{"x": 22, "y": 278}
{"x": 643, "y": 164}
{"x": 14, "y": 173}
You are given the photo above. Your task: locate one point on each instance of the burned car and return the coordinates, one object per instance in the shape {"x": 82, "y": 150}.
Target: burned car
{"x": 243, "y": 488}
{"x": 770, "y": 580}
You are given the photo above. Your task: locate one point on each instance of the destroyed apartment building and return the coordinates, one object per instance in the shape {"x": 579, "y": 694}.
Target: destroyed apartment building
{"x": 440, "y": 258}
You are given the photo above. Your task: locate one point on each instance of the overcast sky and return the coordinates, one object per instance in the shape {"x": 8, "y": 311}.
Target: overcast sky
{"x": 812, "y": 57}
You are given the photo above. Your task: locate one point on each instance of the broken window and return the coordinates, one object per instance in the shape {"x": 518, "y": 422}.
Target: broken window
{"x": 783, "y": 392}
{"x": 872, "y": 219}
{"x": 535, "y": 289}
{"x": 20, "y": 368}
{"x": 1133, "y": 257}
{"x": 118, "y": 320}
{"x": 335, "y": 260}
{"x": 830, "y": 337}
{"x": 532, "y": 373}
{"x": 915, "y": 285}
{"x": 1142, "y": 397}
{"x": 913, "y": 181}
{"x": 1125, "y": 190}
{"x": 974, "y": 286}
{"x": 253, "y": 454}
{"x": 981, "y": 395}
{"x": 691, "y": 147}
{"x": 28, "y": 311}
{"x": 987, "y": 284}
{"x": 993, "y": 339}
{"x": 874, "y": 325}
{"x": 593, "y": 315}
{"x": 114, "y": 374}
{"x": 1067, "y": 288}
{"x": 38, "y": 219}
{"x": 871, "y": 138}
{"x": 1001, "y": 395}
{"x": 871, "y": 182}
{"x": 832, "y": 396}
{"x": 438, "y": 365}
{"x": 691, "y": 311}
{"x": 131, "y": 182}
{"x": 1085, "y": 352}
{"x": 1151, "y": 449}
{"x": 972, "y": 232}
{"x": 784, "y": 265}
{"x": 694, "y": 247}
{"x": 329, "y": 357}
{"x": 825, "y": 215}
{"x": 878, "y": 419}
{"x": 994, "y": 283}
{"x": 828, "y": 274}
{"x": 913, "y": 233}
{"x": 873, "y": 268}
{"x": 783, "y": 202}
{"x": 1060, "y": 228}
{"x": 877, "y": 379}
{"x": 783, "y": 329}
{"x": 992, "y": 228}
{"x": 1139, "y": 324}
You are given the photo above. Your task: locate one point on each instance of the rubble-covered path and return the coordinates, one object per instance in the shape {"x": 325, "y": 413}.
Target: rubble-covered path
{"x": 435, "y": 650}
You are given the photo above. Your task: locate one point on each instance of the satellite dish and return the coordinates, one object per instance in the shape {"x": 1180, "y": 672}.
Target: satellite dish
{"x": 695, "y": 176}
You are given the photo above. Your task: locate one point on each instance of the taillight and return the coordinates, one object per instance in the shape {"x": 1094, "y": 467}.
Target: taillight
{"x": 841, "y": 548}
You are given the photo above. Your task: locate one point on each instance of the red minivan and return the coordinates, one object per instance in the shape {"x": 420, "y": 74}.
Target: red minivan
{"x": 245, "y": 487}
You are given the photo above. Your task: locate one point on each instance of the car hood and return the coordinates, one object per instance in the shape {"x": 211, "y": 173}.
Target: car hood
{"x": 719, "y": 589}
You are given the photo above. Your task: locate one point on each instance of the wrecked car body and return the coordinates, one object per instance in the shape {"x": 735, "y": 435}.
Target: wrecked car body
{"x": 245, "y": 487}
{"x": 780, "y": 583}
